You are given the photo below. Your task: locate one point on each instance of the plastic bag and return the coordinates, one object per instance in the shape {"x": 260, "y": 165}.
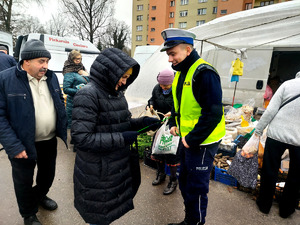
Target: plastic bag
{"x": 261, "y": 148}
{"x": 251, "y": 147}
{"x": 79, "y": 86}
{"x": 233, "y": 115}
{"x": 165, "y": 142}
{"x": 247, "y": 109}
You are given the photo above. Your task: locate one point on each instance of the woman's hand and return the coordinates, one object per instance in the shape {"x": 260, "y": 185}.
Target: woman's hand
{"x": 82, "y": 72}
{"x": 168, "y": 114}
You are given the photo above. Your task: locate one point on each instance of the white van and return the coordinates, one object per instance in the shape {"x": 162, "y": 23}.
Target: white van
{"x": 6, "y": 41}
{"x": 59, "y": 47}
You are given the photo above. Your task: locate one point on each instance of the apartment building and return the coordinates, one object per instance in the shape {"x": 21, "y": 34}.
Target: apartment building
{"x": 151, "y": 17}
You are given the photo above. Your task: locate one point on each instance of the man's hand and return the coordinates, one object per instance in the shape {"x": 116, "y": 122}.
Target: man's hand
{"x": 184, "y": 143}
{"x": 174, "y": 130}
{"x": 22, "y": 155}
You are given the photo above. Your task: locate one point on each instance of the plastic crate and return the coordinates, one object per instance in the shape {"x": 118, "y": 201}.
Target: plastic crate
{"x": 222, "y": 176}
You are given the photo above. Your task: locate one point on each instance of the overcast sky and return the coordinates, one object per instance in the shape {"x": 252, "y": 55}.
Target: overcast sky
{"x": 123, "y": 11}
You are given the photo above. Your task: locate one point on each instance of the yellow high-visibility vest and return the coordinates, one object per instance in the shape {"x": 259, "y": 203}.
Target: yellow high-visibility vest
{"x": 190, "y": 110}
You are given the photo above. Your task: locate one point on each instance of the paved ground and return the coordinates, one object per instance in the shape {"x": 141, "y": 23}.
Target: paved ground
{"x": 227, "y": 206}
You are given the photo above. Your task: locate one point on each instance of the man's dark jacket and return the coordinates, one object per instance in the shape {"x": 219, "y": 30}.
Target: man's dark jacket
{"x": 17, "y": 113}
{"x": 6, "y": 61}
{"x": 102, "y": 176}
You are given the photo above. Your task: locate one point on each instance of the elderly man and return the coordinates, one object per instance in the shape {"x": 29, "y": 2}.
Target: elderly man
{"x": 6, "y": 61}
{"x": 198, "y": 119}
{"x": 32, "y": 115}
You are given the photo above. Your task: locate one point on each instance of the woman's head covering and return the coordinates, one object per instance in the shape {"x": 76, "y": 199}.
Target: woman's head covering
{"x": 70, "y": 66}
{"x": 165, "y": 77}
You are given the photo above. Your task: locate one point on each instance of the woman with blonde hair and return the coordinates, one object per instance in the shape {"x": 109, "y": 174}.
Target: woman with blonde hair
{"x": 75, "y": 77}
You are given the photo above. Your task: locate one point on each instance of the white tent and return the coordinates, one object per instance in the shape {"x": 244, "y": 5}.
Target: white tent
{"x": 260, "y": 32}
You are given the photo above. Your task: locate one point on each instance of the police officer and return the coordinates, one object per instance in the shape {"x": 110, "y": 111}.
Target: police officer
{"x": 198, "y": 119}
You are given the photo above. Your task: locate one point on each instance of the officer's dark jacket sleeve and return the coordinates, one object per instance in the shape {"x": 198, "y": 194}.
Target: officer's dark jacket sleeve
{"x": 208, "y": 93}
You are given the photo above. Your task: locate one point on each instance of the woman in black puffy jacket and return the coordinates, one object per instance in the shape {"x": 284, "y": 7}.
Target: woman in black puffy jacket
{"x": 102, "y": 131}
{"x": 162, "y": 101}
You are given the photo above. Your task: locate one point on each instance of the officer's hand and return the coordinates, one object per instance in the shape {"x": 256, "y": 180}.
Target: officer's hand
{"x": 184, "y": 142}
{"x": 22, "y": 155}
{"x": 174, "y": 130}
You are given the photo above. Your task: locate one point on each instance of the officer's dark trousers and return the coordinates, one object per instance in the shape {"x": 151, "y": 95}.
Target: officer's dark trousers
{"x": 23, "y": 174}
{"x": 196, "y": 165}
{"x": 269, "y": 175}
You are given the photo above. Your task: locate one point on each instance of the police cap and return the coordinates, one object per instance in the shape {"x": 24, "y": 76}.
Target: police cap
{"x": 174, "y": 36}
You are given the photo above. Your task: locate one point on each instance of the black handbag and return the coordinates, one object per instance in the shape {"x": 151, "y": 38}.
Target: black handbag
{"x": 135, "y": 168}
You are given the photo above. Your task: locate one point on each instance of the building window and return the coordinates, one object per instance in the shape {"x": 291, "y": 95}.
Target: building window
{"x": 152, "y": 39}
{"x": 171, "y": 25}
{"x": 171, "y": 14}
{"x": 248, "y": 6}
{"x": 264, "y": 3}
{"x": 172, "y": 3}
{"x": 200, "y": 22}
{"x": 184, "y": 2}
{"x": 182, "y": 24}
{"x": 139, "y": 7}
{"x": 215, "y": 10}
{"x": 139, "y": 37}
{"x": 183, "y": 13}
{"x": 202, "y": 11}
{"x": 202, "y": 1}
{"x": 139, "y": 28}
{"x": 139, "y": 18}
{"x": 153, "y": 18}
{"x": 152, "y": 29}
{"x": 224, "y": 11}
{"x": 154, "y": 7}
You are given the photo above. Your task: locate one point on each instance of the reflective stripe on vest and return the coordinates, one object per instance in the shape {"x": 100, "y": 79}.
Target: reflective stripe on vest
{"x": 190, "y": 110}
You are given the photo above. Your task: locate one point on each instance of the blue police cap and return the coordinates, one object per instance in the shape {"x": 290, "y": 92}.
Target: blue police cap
{"x": 174, "y": 36}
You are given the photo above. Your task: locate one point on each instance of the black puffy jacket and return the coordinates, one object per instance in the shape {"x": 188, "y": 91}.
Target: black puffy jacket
{"x": 162, "y": 103}
{"x": 102, "y": 178}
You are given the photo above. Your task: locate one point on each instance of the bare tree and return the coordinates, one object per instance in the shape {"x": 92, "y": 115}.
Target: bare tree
{"x": 6, "y": 12}
{"x": 117, "y": 35}
{"x": 28, "y": 24}
{"x": 89, "y": 17}
{"x": 58, "y": 25}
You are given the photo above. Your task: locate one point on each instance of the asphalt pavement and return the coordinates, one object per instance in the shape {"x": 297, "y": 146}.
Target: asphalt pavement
{"x": 227, "y": 206}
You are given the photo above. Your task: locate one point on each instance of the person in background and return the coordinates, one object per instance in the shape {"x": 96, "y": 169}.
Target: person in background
{"x": 162, "y": 101}
{"x": 103, "y": 130}
{"x": 197, "y": 117}
{"x": 32, "y": 115}
{"x": 6, "y": 61}
{"x": 271, "y": 88}
{"x": 283, "y": 118}
{"x": 75, "y": 77}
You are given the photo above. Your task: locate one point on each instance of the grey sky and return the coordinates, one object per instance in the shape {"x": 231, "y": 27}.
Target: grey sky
{"x": 123, "y": 11}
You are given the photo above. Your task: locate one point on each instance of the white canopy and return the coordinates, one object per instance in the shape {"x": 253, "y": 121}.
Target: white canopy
{"x": 266, "y": 27}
